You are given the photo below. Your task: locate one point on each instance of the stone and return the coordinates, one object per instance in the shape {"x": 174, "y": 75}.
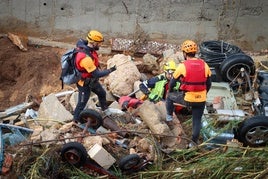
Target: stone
{"x": 101, "y": 156}
{"x": 121, "y": 81}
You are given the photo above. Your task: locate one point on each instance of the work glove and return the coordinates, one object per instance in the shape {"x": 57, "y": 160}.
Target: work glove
{"x": 143, "y": 97}
{"x": 112, "y": 69}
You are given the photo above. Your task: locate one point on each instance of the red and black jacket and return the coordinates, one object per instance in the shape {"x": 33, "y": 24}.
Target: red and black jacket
{"x": 80, "y": 56}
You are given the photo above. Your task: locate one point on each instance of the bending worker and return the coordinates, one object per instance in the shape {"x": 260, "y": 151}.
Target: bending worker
{"x": 88, "y": 63}
{"x": 156, "y": 87}
{"x": 194, "y": 75}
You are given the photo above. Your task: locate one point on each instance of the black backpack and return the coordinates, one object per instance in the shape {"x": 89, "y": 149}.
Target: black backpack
{"x": 69, "y": 73}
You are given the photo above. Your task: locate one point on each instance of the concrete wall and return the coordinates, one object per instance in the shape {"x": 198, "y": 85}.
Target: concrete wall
{"x": 241, "y": 22}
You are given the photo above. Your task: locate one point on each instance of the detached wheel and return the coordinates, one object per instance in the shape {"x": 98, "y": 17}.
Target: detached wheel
{"x": 129, "y": 162}
{"x": 254, "y": 131}
{"x": 74, "y": 153}
{"x": 92, "y": 115}
{"x": 232, "y": 65}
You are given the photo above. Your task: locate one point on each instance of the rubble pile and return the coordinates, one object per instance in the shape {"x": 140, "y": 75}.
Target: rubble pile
{"x": 40, "y": 140}
{"x": 135, "y": 131}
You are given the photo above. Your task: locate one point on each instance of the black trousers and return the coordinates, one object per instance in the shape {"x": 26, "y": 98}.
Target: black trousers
{"x": 197, "y": 109}
{"x": 84, "y": 94}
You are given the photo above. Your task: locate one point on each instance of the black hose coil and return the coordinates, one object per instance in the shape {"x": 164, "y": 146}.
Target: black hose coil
{"x": 214, "y": 52}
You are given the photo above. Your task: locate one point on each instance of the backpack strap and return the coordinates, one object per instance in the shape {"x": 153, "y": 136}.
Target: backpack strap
{"x": 81, "y": 49}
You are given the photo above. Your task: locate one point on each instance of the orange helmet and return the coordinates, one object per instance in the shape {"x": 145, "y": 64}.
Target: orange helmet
{"x": 189, "y": 46}
{"x": 94, "y": 36}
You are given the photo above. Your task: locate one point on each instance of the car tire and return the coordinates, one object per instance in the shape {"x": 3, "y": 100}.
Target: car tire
{"x": 232, "y": 65}
{"x": 263, "y": 89}
{"x": 253, "y": 131}
{"x": 92, "y": 115}
{"x": 129, "y": 162}
{"x": 74, "y": 153}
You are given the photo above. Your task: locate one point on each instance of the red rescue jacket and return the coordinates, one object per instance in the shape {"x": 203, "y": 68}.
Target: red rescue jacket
{"x": 195, "y": 79}
{"x": 80, "y": 56}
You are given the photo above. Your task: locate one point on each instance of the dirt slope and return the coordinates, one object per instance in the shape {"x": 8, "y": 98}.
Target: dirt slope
{"x": 34, "y": 72}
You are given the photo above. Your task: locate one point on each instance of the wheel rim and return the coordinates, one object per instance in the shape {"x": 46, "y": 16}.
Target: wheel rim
{"x": 235, "y": 69}
{"x": 257, "y": 135}
{"x": 72, "y": 157}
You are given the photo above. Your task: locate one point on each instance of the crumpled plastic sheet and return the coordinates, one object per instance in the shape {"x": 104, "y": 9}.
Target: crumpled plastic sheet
{"x": 16, "y": 135}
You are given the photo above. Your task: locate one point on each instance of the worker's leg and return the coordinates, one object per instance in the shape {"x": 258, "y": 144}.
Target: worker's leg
{"x": 169, "y": 109}
{"x": 83, "y": 96}
{"x": 101, "y": 93}
{"x": 173, "y": 97}
{"x": 197, "y": 112}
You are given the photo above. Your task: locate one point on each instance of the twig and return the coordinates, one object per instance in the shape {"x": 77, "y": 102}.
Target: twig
{"x": 107, "y": 133}
{"x": 262, "y": 174}
{"x": 202, "y": 155}
{"x": 264, "y": 66}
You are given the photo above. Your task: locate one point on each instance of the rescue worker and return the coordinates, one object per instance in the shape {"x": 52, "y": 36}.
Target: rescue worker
{"x": 156, "y": 87}
{"x": 88, "y": 63}
{"x": 194, "y": 76}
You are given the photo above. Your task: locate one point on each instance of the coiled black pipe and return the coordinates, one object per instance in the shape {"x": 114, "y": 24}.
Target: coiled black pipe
{"x": 214, "y": 52}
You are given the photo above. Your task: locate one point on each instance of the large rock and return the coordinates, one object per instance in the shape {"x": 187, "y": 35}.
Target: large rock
{"x": 93, "y": 100}
{"x": 150, "y": 63}
{"x": 121, "y": 81}
{"x": 170, "y": 54}
{"x": 52, "y": 110}
{"x": 153, "y": 118}
{"x": 49, "y": 135}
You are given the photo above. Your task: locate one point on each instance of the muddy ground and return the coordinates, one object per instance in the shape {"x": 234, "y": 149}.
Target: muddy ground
{"x": 34, "y": 72}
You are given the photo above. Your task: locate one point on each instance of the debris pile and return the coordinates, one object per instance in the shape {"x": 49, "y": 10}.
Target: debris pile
{"x": 39, "y": 138}
{"x": 122, "y": 133}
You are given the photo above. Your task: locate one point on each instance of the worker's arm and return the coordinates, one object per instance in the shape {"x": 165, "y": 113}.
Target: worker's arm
{"x": 208, "y": 83}
{"x": 172, "y": 84}
{"x": 100, "y": 73}
{"x": 145, "y": 86}
{"x": 90, "y": 67}
{"x": 208, "y": 74}
{"x": 179, "y": 72}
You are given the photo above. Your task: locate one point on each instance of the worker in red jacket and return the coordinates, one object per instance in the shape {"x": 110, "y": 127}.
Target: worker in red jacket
{"x": 88, "y": 63}
{"x": 194, "y": 76}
